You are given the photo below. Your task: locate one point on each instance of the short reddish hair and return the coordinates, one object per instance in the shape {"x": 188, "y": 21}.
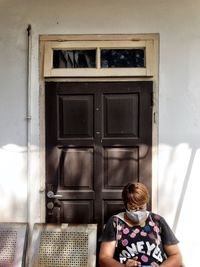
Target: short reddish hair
{"x": 135, "y": 194}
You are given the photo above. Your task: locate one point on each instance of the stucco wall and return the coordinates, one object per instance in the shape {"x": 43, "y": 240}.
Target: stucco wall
{"x": 179, "y": 124}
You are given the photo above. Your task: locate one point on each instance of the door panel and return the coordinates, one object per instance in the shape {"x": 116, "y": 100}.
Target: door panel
{"x": 77, "y": 168}
{"x": 120, "y": 166}
{"x": 76, "y": 111}
{"x": 77, "y": 211}
{"x": 118, "y": 109}
{"x": 98, "y": 138}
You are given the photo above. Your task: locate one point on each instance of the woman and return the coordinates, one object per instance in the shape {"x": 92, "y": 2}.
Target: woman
{"x": 138, "y": 237}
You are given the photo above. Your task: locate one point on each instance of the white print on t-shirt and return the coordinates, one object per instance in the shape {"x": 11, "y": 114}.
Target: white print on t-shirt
{"x": 141, "y": 247}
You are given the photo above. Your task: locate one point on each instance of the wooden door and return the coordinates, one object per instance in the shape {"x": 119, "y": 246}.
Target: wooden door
{"x": 98, "y": 138}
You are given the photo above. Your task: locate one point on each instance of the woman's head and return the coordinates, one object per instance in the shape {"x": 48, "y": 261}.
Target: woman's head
{"x": 135, "y": 195}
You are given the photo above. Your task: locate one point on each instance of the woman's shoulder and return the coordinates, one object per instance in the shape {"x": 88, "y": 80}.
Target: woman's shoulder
{"x": 157, "y": 218}
{"x": 119, "y": 216}
{"x": 115, "y": 218}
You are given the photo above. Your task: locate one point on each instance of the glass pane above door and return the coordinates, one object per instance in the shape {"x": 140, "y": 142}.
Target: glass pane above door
{"x": 123, "y": 58}
{"x": 74, "y": 58}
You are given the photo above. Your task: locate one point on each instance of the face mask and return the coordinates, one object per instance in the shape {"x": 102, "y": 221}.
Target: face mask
{"x": 138, "y": 216}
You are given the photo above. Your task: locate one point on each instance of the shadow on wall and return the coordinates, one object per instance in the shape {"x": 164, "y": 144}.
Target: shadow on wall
{"x": 178, "y": 171}
{"x": 179, "y": 194}
{"x": 13, "y": 183}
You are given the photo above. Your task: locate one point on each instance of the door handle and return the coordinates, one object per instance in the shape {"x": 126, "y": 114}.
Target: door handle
{"x": 50, "y": 194}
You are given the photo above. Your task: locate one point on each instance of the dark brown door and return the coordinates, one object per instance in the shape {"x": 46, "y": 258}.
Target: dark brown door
{"x": 98, "y": 138}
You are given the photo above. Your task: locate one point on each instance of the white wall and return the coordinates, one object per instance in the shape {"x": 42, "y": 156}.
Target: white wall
{"x": 179, "y": 110}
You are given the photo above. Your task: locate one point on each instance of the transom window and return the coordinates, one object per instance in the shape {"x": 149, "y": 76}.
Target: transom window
{"x": 98, "y": 58}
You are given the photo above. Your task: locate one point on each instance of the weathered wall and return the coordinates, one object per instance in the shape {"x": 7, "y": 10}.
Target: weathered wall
{"x": 179, "y": 125}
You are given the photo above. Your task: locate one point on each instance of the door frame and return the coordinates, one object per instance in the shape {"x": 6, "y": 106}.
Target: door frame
{"x": 155, "y": 78}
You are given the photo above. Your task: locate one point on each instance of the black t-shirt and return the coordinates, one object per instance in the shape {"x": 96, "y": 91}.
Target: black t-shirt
{"x": 144, "y": 241}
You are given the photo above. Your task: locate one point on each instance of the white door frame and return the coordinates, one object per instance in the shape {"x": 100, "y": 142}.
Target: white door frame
{"x": 155, "y": 74}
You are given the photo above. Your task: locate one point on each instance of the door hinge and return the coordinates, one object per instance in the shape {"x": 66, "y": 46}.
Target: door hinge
{"x": 152, "y": 99}
{"x": 154, "y": 117}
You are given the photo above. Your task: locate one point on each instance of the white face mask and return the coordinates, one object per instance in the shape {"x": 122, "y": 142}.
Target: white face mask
{"x": 137, "y": 216}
